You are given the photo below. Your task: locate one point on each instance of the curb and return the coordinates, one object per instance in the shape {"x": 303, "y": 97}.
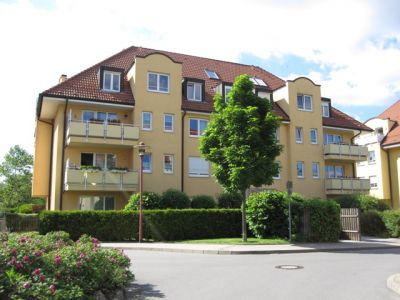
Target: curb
{"x": 393, "y": 283}
{"x": 252, "y": 252}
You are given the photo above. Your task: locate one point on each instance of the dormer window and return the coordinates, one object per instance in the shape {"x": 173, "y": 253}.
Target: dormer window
{"x": 325, "y": 109}
{"x": 111, "y": 81}
{"x": 211, "y": 74}
{"x": 194, "y": 91}
{"x": 258, "y": 81}
{"x": 304, "y": 102}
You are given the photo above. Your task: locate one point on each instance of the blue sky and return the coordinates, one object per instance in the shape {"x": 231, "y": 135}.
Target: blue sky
{"x": 350, "y": 47}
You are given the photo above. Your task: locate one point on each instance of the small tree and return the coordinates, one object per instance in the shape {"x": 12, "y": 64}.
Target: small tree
{"x": 240, "y": 141}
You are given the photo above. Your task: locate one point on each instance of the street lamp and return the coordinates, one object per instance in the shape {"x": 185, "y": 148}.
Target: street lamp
{"x": 142, "y": 150}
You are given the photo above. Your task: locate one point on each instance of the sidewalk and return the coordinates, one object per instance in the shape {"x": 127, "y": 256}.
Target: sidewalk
{"x": 367, "y": 243}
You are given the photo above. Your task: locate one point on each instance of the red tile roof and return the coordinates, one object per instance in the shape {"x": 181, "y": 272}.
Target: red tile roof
{"x": 342, "y": 120}
{"x": 392, "y": 113}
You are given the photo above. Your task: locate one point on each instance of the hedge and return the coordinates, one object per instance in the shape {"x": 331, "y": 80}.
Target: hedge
{"x": 391, "y": 218}
{"x": 21, "y": 222}
{"x": 371, "y": 223}
{"x": 158, "y": 225}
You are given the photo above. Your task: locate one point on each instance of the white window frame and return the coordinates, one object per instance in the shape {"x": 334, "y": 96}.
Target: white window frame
{"x": 277, "y": 134}
{"x": 300, "y": 138}
{"x": 150, "y": 170}
{"x": 196, "y": 174}
{"x": 370, "y": 161}
{"x": 151, "y": 120}
{"x": 315, "y": 142}
{"x": 195, "y": 84}
{"x": 157, "y": 90}
{"x": 92, "y": 200}
{"x": 277, "y": 177}
{"x": 95, "y": 159}
{"x": 198, "y": 134}
{"x": 325, "y": 109}
{"x": 303, "y": 107}
{"x": 112, "y": 81}
{"x": 301, "y": 164}
{"x": 334, "y": 169}
{"x": 373, "y": 186}
{"x": 172, "y": 123}
{"x": 95, "y": 115}
{"x": 171, "y": 156}
{"x": 315, "y": 175}
{"x": 229, "y": 88}
{"x": 211, "y": 74}
{"x": 334, "y": 136}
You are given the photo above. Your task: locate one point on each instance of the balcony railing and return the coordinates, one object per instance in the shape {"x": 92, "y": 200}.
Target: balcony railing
{"x": 87, "y": 180}
{"x": 345, "y": 152}
{"x": 79, "y": 132}
{"x": 337, "y": 186}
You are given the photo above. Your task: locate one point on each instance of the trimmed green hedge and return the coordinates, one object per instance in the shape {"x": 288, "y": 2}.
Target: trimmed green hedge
{"x": 371, "y": 223}
{"x": 158, "y": 225}
{"x": 391, "y": 218}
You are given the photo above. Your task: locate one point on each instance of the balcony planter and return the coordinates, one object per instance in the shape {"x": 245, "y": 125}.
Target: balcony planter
{"x": 119, "y": 170}
{"x": 113, "y": 121}
{"x": 90, "y": 169}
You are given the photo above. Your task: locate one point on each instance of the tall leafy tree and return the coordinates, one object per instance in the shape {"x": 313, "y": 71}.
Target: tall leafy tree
{"x": 16, "y": 174}
{"x": 240, "y": 141}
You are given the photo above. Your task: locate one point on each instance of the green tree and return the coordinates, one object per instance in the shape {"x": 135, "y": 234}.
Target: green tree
{"x": 16, "y": 174}
{"x": 240, "y": 141}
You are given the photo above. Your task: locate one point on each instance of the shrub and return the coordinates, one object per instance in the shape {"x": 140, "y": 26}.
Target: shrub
{"x": 150, "y": 200}
{"x": 229, "y": 200}
{"x": 166, "y": 225}
{"x": 54, "y": 267}
{"x": 368, "y": 202}
{"x": 348, "y": 201}
{"x": 30, "y": 208}
{"x": 391, "y": 218}
{"x": 266, "y": 214}
{"x": 203, "y": 201}
{"x": 371, "y": 223}
{"x": 173, "y": 198}
{"x": 21, "y": 222}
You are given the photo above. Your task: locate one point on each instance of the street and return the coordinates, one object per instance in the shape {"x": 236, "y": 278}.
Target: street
{"x": 341, "y": 275}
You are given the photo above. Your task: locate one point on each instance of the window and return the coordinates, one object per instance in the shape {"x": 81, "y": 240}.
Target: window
{"x": 379, "y": 130}
{"x": 105, "y": 161}
{"x": 325, "y": 109}
{"x": 111, "y": 81}
{"x": 194, "y": 91}
{"x": 96, "y": 203}
{"x": 334, "y": 172}
{"x": 371, "y": 157}
{"x": 304, "y": 102}
{"x": 373, "y": 182}
{"x": 197, "y": 126}
{"x": 277, "y": 134}
{"x": 147, "y": 166}
{"x": 88, "y": 115}
{"x": 315, "y": 170}
{"x": 99, "y": 116}
{"x": 158, "y": 82}
{"x": 168, "y": 123}
{"x": 258, "y": 81}
{"x": 299, "y": 135}
{"x": 168, "y": 164}
{"x": 278, "y": 176}
{"x": 314, "y": 136}
{"x": 332, "y": 139}
{"x": 198, "y": 167}
{"x": 227, "y": 89}
{"x": 300, "y": 169}
{"x": 211, "y": 74}
{"x": 147, "y": 120}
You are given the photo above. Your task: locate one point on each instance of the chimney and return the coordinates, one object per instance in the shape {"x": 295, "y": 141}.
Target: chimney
{"x": 63, "y": 77}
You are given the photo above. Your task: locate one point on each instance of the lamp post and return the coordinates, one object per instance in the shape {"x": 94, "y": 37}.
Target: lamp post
{"x": 142, "y": 150}
{"x": 289, "y": 186}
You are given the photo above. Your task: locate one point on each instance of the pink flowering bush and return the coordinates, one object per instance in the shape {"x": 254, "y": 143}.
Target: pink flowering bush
{"x": 52, "y": 266}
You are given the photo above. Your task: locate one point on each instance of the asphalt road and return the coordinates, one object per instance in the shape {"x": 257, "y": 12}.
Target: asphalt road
{"x": 340, "y": 275}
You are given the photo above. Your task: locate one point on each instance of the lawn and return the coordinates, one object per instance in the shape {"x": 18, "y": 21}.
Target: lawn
{"x": 238, "y": 241}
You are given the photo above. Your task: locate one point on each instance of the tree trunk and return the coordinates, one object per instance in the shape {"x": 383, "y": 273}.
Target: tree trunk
{"x": 244, "y": 223}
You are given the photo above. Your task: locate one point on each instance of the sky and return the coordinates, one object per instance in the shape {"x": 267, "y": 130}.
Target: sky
{"x": 351, "y": 48}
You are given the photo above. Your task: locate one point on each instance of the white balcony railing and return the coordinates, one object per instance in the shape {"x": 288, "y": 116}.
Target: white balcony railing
{"x": 345, "y": 152}
{"x": 346, "y": 185}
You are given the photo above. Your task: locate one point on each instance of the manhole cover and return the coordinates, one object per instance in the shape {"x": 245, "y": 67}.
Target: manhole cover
{"x": 289, "y": 267}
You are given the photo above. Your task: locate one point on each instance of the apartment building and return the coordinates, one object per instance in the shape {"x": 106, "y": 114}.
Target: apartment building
{"x": 383, "y": 164}
{"x": 88, "y": 127}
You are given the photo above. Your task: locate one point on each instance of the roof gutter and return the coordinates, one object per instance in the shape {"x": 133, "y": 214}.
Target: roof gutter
{"x": 39, "y": 105}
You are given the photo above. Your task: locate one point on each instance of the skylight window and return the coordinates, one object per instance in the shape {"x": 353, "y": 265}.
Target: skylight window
{"x": 211, "y": 74}
{"x": 258, "y": 81}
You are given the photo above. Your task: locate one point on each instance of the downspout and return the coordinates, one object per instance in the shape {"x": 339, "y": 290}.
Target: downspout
{"x": 390, "y": 178}
{"x": 51, "y": 160}
{"x": 182, "y": 150}
{"x": 352, "y": 143}
{"x": 63, "y": 155}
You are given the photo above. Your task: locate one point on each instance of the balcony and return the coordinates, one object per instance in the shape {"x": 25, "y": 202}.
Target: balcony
{"x": 341, "y": 186}
{"x": 99, "y": 134}
{"x": 369, "y": 138}
{"x": 86, "y": 180}
{"x": 345, "y": 152}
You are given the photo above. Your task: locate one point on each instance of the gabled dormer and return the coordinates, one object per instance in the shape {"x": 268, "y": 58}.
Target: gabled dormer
{"x": 194, "y": 89}
{"x": 325, "y": 107}
{"x": 110, "y": 79}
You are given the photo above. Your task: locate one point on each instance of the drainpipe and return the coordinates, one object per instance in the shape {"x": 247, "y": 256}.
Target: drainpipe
{"x": 390, "y": 177}
{"x": 63, "y": 155}
{"x": 51, "y": 159}
{"x": 182, "y": 150}
{"x": 352, "y": 143}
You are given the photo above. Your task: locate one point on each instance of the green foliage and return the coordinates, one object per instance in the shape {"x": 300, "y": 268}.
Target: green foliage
{"x": 29, "y": 208}
{"x": 16, "y": 170}
{"x": 371, "y": 223}
{"x": 391, "y": 218}
{"x": 21, "y": 222}
{"x": 348, "y": 201}
{"x": 150, "y": 200}
{"x": 159, "y": 225}
{"x": 54, "y": 267}
{"x": 240, "y": 139}
{"x": 203, "y": 201}
{"x": 230, "y": 200}
{"x": 266, "y": 214}
{"x": 368, "y": 202}
{"x": 173, "y": 198}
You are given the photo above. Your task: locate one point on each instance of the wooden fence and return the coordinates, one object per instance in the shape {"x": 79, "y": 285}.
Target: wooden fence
{"x": 350, "y": 224}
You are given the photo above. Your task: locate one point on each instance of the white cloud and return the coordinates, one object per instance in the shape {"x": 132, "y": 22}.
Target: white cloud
{"x": 38, "y": 44}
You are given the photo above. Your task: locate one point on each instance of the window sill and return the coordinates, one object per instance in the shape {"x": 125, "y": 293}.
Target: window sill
{"x": 168, "y": 131}
{"x": 168, "y": 173}
{"x": 147, "y": 129}
{"x": 199, "y": 176}
{"x": 308, "y": 110}
{"x": 147, "y": 172}
{"x": 159, "y": 92}
{"x": 111, "y": 91}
